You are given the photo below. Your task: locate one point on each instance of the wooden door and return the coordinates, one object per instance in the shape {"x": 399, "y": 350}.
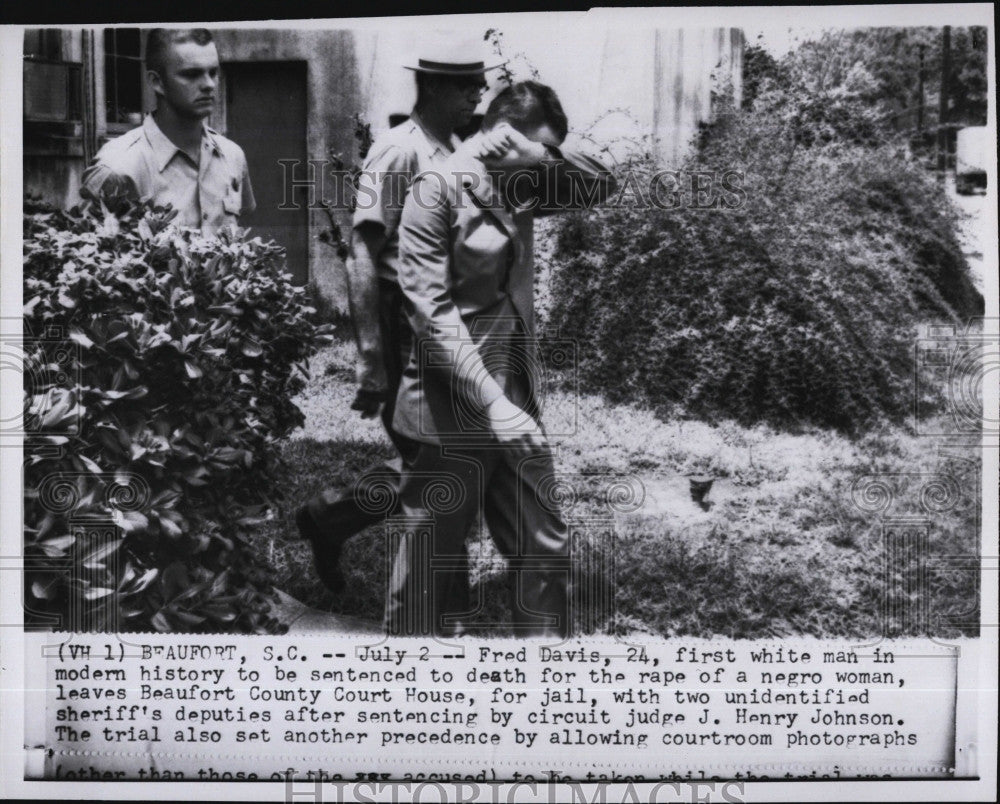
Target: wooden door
{"x": 266, "y": 116}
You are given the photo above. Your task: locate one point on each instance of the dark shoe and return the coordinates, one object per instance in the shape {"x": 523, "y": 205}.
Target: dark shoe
{"x": 326, "y": 550}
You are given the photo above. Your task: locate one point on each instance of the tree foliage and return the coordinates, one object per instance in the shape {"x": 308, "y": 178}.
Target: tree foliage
{"x": 882, "y": 68}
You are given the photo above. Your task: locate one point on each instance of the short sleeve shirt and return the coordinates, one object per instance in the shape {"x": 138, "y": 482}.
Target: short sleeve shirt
{"x": 392, "y": 163}
{"x": 208, "y": 195}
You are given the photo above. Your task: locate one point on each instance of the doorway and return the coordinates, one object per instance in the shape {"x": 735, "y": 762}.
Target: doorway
{"x": 266, "y": 117}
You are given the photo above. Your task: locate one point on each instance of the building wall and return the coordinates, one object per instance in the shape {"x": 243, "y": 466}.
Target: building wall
{"x": 669, "y": 76}
{"x": 688, "y": 65}
{"x": 53, "y": 178}
{"x": 53, "y": 152}
{"x": 333, "y": 99}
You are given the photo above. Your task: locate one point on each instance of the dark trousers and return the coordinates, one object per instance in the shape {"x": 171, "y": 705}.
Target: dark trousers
{"x": 375, "y": 494}
{"x": 442, "y": 491}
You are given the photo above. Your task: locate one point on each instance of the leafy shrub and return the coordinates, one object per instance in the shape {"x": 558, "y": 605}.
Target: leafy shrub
{"x": 160, "y": 368}
{"x": 791, "y": 297}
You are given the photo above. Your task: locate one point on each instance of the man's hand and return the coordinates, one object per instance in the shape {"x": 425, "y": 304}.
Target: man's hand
{"x": 505, "y": 147}
{"x": 372, "y": 384}
{"x": 512, "y": 425}
{"x": 363, "y": 300}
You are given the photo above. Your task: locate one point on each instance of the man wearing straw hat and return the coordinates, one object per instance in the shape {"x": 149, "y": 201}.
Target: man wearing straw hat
{"x": 451, "y": 79}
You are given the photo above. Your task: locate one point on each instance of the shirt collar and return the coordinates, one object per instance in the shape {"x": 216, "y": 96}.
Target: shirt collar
{"x": 436, "y": 144}
{"x": 477, "y": 180}
{"x": 163, "y": 148}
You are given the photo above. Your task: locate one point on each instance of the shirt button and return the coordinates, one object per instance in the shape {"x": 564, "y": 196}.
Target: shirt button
{"x": 204, "y": 216}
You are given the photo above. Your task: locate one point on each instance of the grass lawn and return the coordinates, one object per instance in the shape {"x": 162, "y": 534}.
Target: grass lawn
{"x": 785, "y": 547}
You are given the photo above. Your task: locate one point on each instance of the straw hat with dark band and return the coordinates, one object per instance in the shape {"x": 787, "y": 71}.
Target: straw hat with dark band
{"x": 453, "y": 58}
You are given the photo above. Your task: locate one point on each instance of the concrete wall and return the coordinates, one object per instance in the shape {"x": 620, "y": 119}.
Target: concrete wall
{"x": 668, "y": 75}
{"x": 688, "y": 65}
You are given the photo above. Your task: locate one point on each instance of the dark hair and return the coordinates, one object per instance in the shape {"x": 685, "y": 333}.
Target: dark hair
{"x": 527, "y": 105}
{"x": 161, "y": 38}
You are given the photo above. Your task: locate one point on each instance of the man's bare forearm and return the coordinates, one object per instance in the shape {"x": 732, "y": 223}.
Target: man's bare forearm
{"x": 363, "y": 299}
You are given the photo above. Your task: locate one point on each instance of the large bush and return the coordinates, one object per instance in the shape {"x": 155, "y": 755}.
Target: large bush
{"x": 159, "y": 372}
{"x": 789, "y": 291}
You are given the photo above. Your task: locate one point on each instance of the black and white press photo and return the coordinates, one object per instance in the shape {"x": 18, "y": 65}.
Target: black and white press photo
{"x": 579, "y": 403}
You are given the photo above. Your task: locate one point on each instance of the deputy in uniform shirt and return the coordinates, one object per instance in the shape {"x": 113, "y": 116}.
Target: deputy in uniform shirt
{"x": 451, "y": 79}
{"x": 173, "y": 157}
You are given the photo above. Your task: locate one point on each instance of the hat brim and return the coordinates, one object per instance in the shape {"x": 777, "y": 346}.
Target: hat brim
{"x": 457, "y": 71}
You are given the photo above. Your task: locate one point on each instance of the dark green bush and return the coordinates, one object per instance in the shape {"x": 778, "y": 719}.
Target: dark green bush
{"x": 793, "y": 303}
{"x": 160, "y": 368}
